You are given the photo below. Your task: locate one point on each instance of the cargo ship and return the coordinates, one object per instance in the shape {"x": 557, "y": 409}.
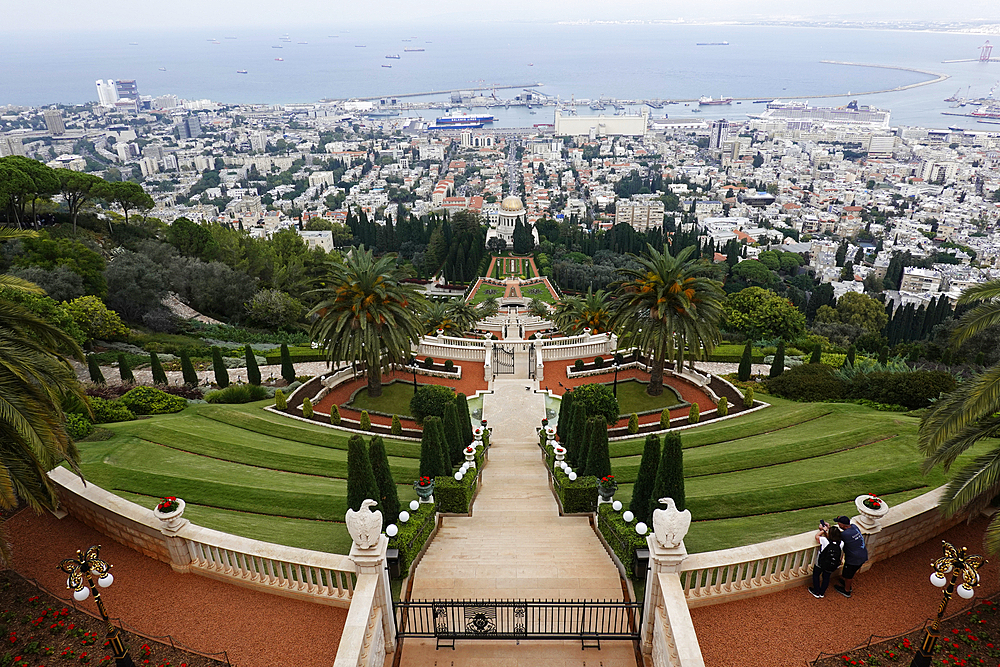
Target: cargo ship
{"x": 989, "y": 112}
{"x": 709, "y": 102}
{"x": 412, "y": 50}
{"x": 456, "y": 118}
{"x": 393, "y": 57}
{"x": 711, "y": 43}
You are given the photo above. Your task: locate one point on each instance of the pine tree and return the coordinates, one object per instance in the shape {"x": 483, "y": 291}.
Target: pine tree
{"x": 187, "y": 369}
{"x": 431, "y": 463}
{"x": 778, "y": 365}
{"x": 96, "y": 376}
{"x": 817, "y": 354}
{"x": 388, "y": 500}
{"x": 669, "y": 474}
{"x": 159, "y": 377}
{"x": 253, "y": 372}
{"x": 221, "y": 374}
{"x": 643, "y": 488}
{"x": 745, "y": 363}
{"x": 124, "y": 370}
{"x": 452, "y": 434}
{"x": 464, "y": 418}
{"x": 598, "y": 457}
{"x": 361, "y": 483}
{"x": 287, "y": 369}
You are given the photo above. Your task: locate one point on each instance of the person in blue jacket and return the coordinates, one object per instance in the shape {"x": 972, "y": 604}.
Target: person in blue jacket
{"x": 855, "y": 554}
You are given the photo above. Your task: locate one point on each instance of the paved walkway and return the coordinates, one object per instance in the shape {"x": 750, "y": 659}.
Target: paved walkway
{"x": 516, "y": 546}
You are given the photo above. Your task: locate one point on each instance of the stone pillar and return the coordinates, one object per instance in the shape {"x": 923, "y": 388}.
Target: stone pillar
{"x": 661, "y": 560}
{"x": 372, "y": 563}
{"x": 170, "y": 524}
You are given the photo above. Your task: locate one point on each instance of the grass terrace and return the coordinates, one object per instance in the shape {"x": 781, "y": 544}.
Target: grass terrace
{"x": 538, "y": 291}
{"x": 486, "y": 291}
{"x": 395, "y": 399}
{"x": 241, "y": 470}
{"x": 632, "y": 397}
{"x": 778, "y": 471}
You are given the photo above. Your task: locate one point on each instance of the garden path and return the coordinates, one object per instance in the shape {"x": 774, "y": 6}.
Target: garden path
{"x": 515, "y": 546}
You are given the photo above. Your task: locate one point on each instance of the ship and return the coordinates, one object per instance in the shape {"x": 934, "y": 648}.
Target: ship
{"x": 381, "y": 114}
{"x": 241, "y": 71}
{"x": 988, "y": 112}
{"x": 280, "y": 60}
{"x": 654, "y": 104}
{"x": 457, "y": 126}
{"x": 393, "y": 57}
{"x": 163, "y": 69}
{"x": 277, "y": 47}
{"x": 387, "y": 66}
{"x": 453, "y": 118}
{"x": 709, "y": 102}
{"x": 412, "y": 50}
{"x": 711, "y": 44}
{"x": 597, "y": 106}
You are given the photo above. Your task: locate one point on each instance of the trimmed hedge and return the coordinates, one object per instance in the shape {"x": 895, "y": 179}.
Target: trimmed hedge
{"x": 620, "y": 536}
{"x": 78, "y": 426}
{"x": 108, "y": 412}
{"x": 279, "y": 400}
{"x": 577, "y": 496}
{"x": 455, "y": 496}
{"x": 412, "y": 535}
{"x": 818, "y": 382}
{"x": 152, "y": 401}
{"x": 237, "y": 393}
{"x": 808, "y": 382}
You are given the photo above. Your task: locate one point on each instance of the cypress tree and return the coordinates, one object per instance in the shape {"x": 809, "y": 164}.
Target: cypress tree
{"x": 124, "y": 370}
{"x": 159, "y": 377}
{"x": 431, "y": 463}
{"x": 253, "y": 372}
{"x": 565, "y": 406}
{"x": 669, "y": 474}
{"x": 96, "y": 376}
{"x": 187, "y": 369}
{"x": 307, "y": 408}
{"x": 852, "y": 354}
{"x": 694, "y": 414}
{"x": 643, "y": 488}
{"x": 279, "y": 400}
{"x": 388, "y": 498}
{"x": 287, "y": 369}
{"x": 334, "y": 414}
{"x": 598, "y": 457}
{"x": 396, "y": 428}
{"x": 452, "y": 434}
{"x": 219, "y": 366}
{"x": 577, "y": 430}
{"x": 583, "y": 450}
{"x": 817, "y": 354}
{"x": 360, "y": 478}
{"x": 778, "y": 365}
{"x": 745, "y": 363}
{"x": 883, "y": 355}
{"x": 442, "y": 445}
{"x": 464, "y": 418}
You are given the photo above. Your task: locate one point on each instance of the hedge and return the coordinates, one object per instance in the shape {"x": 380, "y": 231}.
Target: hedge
{"x": 576, "y": 496}
{"x": 151, "y": 401}
{"x": 619, "y": 535}
{"x": 413, "y": 534}
{"x": 455, "y": 496}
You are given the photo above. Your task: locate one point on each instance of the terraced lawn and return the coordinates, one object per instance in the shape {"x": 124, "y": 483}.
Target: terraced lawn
{"x": 241, "y": 470}
{"x": 778, "y": 471}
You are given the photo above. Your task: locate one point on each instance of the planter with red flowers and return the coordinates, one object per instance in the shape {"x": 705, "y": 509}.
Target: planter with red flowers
{"x": 425, "y": 489}
{"x": 606, "y": 488}
{"x": 470, "y": 456}
{"x": 872, "y": 509}
{"x": 170, "y": 511}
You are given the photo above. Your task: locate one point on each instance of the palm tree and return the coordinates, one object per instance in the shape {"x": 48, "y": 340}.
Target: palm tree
{"x": 666, "y": 305}
{"x": 488, "y": 307}
{"x": 539, "y": 308}
{"x": 574, "y": 314}
{"x": 364, "y": 313}
{"x": 454, "y": 317}
{"x": 35, "y": 381}
{"x": 962, "y": 418}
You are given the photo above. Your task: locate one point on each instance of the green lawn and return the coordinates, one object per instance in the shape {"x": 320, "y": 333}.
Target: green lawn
{"x": 538, "y": 291}
{"x": 632, "y": 397}
{"x": 778, "y": 471}
{"x": 395, "y": 399}
{"x": 486, "y": 291}
{"x": 241, "y": 470}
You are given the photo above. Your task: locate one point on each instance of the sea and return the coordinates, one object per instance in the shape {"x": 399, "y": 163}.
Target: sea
{"x": 571, "y": 61}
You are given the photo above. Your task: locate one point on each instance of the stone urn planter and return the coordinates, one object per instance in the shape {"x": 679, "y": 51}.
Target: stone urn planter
{"x": 560, "y": 453}
{"x": 425, "y": 489}
{"x": 170, "y": 511}
{"x": 477, "y": 435}
{"x": 606, "y": 488}
{"x": 470, "y": 456}
{"x": 871, "y": 509}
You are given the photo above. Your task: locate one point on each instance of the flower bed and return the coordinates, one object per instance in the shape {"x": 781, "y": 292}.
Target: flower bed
{"x": 970, "y": 637}
{"x": 40, "y": 629}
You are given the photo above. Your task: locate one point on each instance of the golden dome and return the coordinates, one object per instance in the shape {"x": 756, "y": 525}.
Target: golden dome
{"x": 511, "y": 204}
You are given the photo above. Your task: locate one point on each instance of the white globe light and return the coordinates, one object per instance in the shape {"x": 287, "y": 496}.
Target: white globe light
{"x": 641, "y": 528}
{"x": 617, "y": 506}
{"x": 404, "y": 516}
{"x": 81, "y": 594}
{"x": 414, "y": 505}
{"x": 628, "y": 516}
{"x": 391, "y": 530}
{"x": 572, "y": 476}
{"x": 965, "y": 591}
{"x": 938, "y": 579}
{"x": 106, "y": 580}
{"x": 459, "y": 476}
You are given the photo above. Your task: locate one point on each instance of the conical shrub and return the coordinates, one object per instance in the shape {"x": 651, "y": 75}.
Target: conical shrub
{"x": 187, "y": 369}
{"x": 452, "y": 434}
{"x": 669, "y": 474}
{"x": 366, "y": 421}
{"x": 96, "y": 376}
{"x": 124, "y": 370}
{"x": 388, "y": 496}
{"x": 817, "y": 354}
{"x": 360, "y": 478}
{"x": 778, "y": 365}
{"x": 583, "y": 447}
{"x": 395, "y": 428}
{"x": 745, "y": 363}
{"x": 253, "y": 371}
{"x": 159, "y": 377}
{"x": 644, "y": 481}
{"x": 565, "y": 414}
{"x": 464, "y": 418}
{"x": 219, "y": 366}
{"x": 287, "y": 368}
{"x": 598, "y": 457}
{"x": 431, "y": 463}
{"x": 335, "y": 415}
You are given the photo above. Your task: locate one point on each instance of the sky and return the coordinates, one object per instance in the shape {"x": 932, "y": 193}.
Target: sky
{"x": 64, "y": 15}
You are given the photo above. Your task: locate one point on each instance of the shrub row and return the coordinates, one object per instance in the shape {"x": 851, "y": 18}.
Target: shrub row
{"x": 238, "y": 393}
{"x": 817, "y": 382}
{"x": 413, "y": 535}
{"x": 579, "y": 495}
{"x": 620, "y": 536}
{"x": 455, "y": 496}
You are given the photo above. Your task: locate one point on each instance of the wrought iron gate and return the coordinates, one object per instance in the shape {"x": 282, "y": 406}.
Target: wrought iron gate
{"x": 503, "y": 360}
{"x": 531, "y": 361}
{"x": 586, "y": 621}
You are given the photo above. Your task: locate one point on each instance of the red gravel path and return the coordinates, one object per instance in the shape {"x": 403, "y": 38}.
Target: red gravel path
{"x": 791, "y": 627}
{"x": 256, "y": 629}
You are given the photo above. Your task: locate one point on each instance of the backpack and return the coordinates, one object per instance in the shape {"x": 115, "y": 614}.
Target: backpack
{"x": 829, "y": 557}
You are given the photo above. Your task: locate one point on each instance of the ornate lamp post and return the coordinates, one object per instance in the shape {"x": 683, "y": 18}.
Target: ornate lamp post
{"x": 617, "y": 362}
{"x": 413, "y": 367}
{"x": 81, "y": 571}
{"x": 960, "y": 564}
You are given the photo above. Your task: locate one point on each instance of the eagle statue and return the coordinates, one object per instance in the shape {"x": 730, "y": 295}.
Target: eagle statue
{"x": 365, "y": 526}
{"x": 670, "y": 525}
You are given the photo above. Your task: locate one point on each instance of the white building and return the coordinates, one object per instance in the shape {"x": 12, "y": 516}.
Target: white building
{"x": 318, "y": 239}
{"x": 642, "y": 215}
{"x": 602, "y": 126}
{"x": 107, "y": 93}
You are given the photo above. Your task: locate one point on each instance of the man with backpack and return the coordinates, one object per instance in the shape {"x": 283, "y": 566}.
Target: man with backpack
{"x": 827, "y": 560}
{"x": 855, "y": 554}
